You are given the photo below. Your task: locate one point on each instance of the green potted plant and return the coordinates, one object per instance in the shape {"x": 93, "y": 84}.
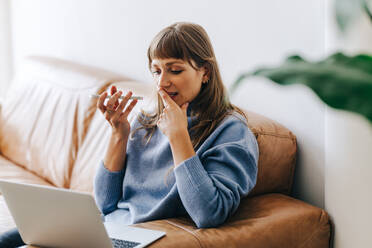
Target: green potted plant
{"x": 341, "y": 81}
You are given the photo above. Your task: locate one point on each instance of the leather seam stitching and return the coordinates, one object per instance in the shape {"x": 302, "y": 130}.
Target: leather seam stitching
{"x": 294, "y": 161}
{"x": 275, "y": 135}
{"x": 187, "y": 230}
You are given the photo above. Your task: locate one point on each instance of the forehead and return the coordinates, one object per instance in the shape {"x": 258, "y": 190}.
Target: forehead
{"x": 167, "y": 62}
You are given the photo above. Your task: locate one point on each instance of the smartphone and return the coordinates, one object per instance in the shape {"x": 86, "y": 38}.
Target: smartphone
{"x": 121, "y": 97}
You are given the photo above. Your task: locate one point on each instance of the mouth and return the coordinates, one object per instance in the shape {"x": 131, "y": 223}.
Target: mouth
{"x": 172, "y": 93}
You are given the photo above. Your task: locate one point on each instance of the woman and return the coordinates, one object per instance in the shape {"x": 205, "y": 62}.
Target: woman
{"x": 194, "y": 156}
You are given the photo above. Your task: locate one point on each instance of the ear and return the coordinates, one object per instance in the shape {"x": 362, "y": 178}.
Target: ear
{"x": 206, "y": 73}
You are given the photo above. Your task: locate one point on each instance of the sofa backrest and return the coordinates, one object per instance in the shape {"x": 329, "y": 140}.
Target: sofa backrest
{"x": 277, "y": 155}
{"x": 45, "y": 115}
{"x": 50, "y": 126}
{"x": 277, "y": 148}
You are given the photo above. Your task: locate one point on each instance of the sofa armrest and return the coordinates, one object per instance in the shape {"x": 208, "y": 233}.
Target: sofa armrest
{"x": 269, "y": 220}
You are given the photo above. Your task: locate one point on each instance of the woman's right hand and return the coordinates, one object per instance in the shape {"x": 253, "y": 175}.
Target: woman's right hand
{"x": 114, "y": 113}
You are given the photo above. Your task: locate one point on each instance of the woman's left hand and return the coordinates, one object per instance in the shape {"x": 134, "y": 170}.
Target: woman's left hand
{"x": 173, "y": 120}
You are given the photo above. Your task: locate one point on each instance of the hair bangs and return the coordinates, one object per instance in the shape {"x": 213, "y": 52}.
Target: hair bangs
{"x": 168, "y": 45}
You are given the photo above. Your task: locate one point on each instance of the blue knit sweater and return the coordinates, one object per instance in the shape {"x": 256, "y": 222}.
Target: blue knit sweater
{"x": 207, "y": 187}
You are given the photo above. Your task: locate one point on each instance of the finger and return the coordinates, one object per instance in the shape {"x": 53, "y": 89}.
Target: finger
{"x": 113, "y": 90}
{"x": 124, "y": 101}
{"x": 112, "y": 102}
{"x": 167, "y": 101}
{"x": 100, "y": 102}
{"x": 122, "y": 104}
{"x": 117, "y": 102}
{"x": 129, "y": 109}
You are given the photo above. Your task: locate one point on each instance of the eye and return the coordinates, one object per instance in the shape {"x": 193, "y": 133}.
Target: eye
{"x": 172, "y": 71}
{"x": 176, "y": 72}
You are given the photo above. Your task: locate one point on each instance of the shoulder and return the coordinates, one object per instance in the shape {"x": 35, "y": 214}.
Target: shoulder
{"x": 234, "y": 126}
{"x": 232, "y": 130}
{"x": 232, "y": 140}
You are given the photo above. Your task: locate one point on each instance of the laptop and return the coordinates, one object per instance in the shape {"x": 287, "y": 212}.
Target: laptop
{"x": 54, "y": 217}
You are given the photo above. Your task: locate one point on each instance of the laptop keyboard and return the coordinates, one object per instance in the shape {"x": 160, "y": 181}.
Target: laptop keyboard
{"x": 118, "y": 243}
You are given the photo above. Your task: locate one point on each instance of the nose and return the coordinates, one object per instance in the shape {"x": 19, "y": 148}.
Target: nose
{"x": 163, "y": 81}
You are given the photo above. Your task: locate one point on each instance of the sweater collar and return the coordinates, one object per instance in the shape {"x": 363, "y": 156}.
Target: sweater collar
{"x": 190, "y": 118}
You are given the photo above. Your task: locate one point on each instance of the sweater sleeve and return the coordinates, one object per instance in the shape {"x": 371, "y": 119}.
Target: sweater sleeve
{"x": 108, "y": 188}
{"x": 211, "y": 184}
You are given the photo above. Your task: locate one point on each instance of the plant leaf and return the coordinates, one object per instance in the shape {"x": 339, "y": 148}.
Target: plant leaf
{"x": 366, "y": 7}
{"x": 346, "y": 12}
{"x": 340, "y": 81}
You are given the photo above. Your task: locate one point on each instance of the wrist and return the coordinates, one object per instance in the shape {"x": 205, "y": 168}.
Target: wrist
{"x": 181, "y": 147}
{"x": 116, "y": 153}
{"x": 119, "y": 137}
{"x": 178, "y": 135}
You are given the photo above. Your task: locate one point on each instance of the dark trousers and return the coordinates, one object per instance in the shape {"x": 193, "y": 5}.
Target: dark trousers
{"x": 11, "y": 239}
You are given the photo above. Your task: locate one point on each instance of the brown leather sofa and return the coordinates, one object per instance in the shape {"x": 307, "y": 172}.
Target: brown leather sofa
{"x": 52, "y": 134}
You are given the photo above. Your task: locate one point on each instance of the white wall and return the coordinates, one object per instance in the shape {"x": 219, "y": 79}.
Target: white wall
{"x": 348, "y": 173}
{"x": 115, "y": 34}
{"x": 348, "y": 144}
{"x": 356, "y": 39}
{"x": 5, "y": 47}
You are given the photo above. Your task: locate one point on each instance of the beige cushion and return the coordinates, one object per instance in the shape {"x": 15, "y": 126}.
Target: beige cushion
{"x": 46, "y": 114}
{"x": 15, "y": 173}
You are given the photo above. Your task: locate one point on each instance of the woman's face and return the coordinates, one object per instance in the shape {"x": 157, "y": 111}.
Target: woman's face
{"x": 178, "y": 78}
